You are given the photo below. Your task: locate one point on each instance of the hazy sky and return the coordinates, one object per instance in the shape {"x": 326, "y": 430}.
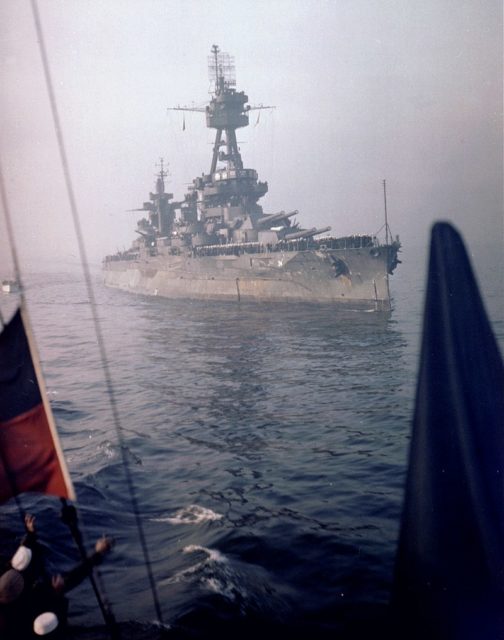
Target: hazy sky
{"x": 406, "y": 90}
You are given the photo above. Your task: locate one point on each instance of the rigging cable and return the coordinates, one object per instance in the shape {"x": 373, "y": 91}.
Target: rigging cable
{"x": 92, "y": 302}
{"x": 69, "y": 517}
{"x": 69, "y": 513}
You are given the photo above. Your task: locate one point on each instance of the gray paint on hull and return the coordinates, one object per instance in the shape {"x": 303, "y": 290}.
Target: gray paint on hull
{"x": 303, "y": 276}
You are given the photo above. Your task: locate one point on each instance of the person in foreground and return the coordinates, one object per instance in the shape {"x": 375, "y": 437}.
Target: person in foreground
{"x": 33, "y": 604}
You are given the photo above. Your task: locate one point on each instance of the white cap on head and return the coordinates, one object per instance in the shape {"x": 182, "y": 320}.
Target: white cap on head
{"x": 45, "y": 623}
{"x": 22, "y": 558}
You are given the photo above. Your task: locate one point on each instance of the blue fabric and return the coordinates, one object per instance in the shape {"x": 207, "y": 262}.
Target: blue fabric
{"x": 19, "y": 390}
{"x": 449, "y": 580}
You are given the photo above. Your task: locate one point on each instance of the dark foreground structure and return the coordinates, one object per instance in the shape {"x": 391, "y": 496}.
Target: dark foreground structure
{"x": 449, "y": 580}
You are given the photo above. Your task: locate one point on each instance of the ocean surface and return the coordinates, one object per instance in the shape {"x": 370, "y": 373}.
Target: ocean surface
{"x": 267, "y": 446}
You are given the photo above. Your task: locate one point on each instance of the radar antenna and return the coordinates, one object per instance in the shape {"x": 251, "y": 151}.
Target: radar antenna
{"x": 227, "y": 110}
{"x": 221, "y": 70}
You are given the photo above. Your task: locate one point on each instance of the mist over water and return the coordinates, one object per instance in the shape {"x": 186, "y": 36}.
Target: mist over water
{"x": 364, "y": 91}
{"x": 267, "y": 443}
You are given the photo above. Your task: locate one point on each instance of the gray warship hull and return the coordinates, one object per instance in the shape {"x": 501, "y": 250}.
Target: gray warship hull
{"x": 217, "y": 243}
{"x": 289, "y": 276}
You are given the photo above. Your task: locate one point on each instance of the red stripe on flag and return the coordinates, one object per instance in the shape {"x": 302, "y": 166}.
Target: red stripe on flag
{"x": 29, "y": 461}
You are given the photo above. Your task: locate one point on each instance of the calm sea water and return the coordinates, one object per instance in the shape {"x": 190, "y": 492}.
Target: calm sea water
{"x": 267, "y": 444}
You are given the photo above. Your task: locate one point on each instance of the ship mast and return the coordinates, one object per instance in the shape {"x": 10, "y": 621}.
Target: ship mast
{"x": 225, "y": 200}
{"x": 386, "y": 237}
{"x": 160, "y": 185}
{"x": 226, "y": 111}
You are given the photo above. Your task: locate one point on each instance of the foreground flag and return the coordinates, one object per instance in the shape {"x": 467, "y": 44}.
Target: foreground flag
{"x": 31, "y": 458}
{"x": 449, "y": 581}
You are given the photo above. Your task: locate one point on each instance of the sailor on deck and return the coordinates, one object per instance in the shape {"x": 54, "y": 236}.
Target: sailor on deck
{"x": 31, "y": 603}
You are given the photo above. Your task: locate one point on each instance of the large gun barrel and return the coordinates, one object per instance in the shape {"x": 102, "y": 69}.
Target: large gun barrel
{"x": 269, "y": 220}
{"x": 307, "y": 233}
{"x": 147, "y": 206}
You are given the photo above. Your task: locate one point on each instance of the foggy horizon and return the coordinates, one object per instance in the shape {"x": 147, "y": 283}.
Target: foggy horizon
{"x": 363, "y": 91}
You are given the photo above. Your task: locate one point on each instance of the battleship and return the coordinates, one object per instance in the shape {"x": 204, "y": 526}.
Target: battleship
{"x": 217, "y": 243}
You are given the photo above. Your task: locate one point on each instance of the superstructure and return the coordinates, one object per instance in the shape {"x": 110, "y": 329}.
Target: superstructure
{"x": 217, "y": 242}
